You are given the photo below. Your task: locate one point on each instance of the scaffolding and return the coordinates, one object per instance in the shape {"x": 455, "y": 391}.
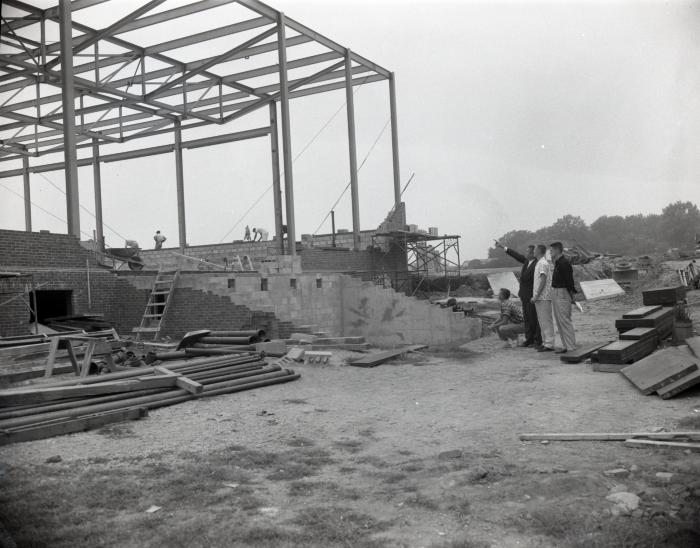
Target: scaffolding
{"x": 427, "y": 256}
{"x": 128, "y": 86}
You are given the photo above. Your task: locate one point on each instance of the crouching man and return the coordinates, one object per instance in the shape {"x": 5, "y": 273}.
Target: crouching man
{"x": 510, "y": 323}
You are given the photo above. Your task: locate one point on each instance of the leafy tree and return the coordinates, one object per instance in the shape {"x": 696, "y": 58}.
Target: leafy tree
{"x": 678, "y": 224}
{"x": 569, "y": 229}
{"x": 517, "y": 239}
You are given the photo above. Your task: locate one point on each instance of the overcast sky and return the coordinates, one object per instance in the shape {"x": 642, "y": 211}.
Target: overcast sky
{"x": 511, "y": 114}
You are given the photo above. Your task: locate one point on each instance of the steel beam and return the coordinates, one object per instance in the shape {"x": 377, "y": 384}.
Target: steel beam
{"x": 104, "y": 33}
{"x": 27, "y": 195}
{"x": 215, "y": 61}
{"x": 395, "y": 141}
{"x": 150, "y": 151}
{"x": 286, "y": 134}
{"x": 352, "y": 149}
{"x": 180, "y": 186}
{"x": 67, "y": 92}
{"x": 276, "y": 189}
{"x": 97, "y": 182}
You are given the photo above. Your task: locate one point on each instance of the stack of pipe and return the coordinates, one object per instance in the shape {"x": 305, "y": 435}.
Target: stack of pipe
{"x": 213, "y": 343}
{"x": 63, "y": 410}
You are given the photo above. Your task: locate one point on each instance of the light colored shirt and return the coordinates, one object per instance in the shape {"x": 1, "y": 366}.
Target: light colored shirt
{"x": 543, "y": 266}
{"x": 263, "y": 234}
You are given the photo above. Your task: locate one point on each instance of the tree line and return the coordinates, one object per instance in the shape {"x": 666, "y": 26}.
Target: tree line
{"x": 675, "y": 227}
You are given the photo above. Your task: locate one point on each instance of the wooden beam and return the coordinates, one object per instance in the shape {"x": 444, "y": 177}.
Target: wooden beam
{"x": 57, "y": 427}
{"x": 610, "y": 436}
{"x": 695, "y": 447}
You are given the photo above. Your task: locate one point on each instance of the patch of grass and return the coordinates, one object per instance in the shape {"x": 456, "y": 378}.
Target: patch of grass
{"x": 351, "y": 446}
{"x": 292, "y": 471}
{"x": 117, "y": 431}
{"x": 462, "y": 543}
{"x": 295, "y": 401}
{"x": 420, "y": 500}
{"x": 691, "y": 422}
{"x": 461, "y": 508}
{"x": 577, "y": 528}
{"x": 300, "y": 441}
{"x": 308, "y": 488}
{"x": 393, "y": 477}
{"x": 336, "y": 525}
{"x": 372, "y": 461}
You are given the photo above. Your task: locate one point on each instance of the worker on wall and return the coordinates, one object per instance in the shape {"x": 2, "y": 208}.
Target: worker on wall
{"x": 246, "y": 237}
{"x": 261, "y": 235}
{"x": 159, "y": 239}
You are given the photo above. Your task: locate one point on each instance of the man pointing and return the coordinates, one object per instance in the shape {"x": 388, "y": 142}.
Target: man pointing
{"x": 533, "y": 336}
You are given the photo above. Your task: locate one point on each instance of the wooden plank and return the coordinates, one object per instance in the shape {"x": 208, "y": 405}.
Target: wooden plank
{"x": 582, "y": 353}
{"x": 373, "y": 360}
{"x": 26, "y": 396}
{"x": 667, "y": 296}
{"x": 661, "y": 368}
{"x": 694, "y": 345}
{"x": 641, "y": 312}
{"x": 595, "y": 290}
{"x": 608, "y": 367}
{"x": 87, "y": 359}
{"x": 695, "y": 447}
{"x": 506, "y": 280}
{"x": 611, "y": 436}
{"x": 51, "y": 360}
{"x": 193, "y": 387}
{"x": 639, "y": 333}
{"x": 680, "y": 385}
{"x": 625, "y": 352}
{"x": 69, "y": 425}
{"x": 18, "y": 375}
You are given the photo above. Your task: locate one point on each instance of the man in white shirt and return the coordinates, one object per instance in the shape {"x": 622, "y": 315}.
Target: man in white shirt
{"x": 542, "y": 298}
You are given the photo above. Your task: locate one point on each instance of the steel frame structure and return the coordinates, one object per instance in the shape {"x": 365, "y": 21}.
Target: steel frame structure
{"x": 126, "y": 91}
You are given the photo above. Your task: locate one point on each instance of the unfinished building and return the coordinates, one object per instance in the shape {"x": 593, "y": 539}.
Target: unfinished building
{"x": 91, "y": 96}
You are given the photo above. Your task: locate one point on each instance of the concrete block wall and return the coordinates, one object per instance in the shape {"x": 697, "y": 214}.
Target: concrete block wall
{"x": 343, "y": 305}
{"x": 387, "y": 318}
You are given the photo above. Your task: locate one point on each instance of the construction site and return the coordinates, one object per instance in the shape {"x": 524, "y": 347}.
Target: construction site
{"x": 346, "y": 387}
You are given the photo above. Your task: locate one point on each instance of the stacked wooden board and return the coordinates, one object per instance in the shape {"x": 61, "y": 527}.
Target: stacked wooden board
{"x": 41, "y": 411}
{"x": 660, "y": 318}
{"x": 667, "y": 372}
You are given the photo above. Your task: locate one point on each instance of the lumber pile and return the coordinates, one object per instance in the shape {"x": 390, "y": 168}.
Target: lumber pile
{"x": 49, "y": 409}
{"x": 642, "y": 330}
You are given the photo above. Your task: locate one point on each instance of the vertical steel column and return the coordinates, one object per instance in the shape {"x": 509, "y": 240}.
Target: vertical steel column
{"x": 352, "y": 148}
{"x": 68, "y": 99}
{"x": 395, "y": 141}
{"x": 27, "y": 195}
{"x": 286, "y": 134}
{"x": 276, "y": 189}
{"x": 97, "y": 182}
{"x": 180, "y": 184}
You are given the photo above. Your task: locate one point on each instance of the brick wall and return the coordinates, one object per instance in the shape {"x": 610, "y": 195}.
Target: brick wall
{"x": 339, "y": 260}
{"x": 41, "y": 250}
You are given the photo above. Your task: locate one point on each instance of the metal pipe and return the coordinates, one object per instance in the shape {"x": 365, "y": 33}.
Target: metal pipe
{"x": 89, "y": 294}
{"x": 395, "y": 141}
{"x": 333, "y": 227}
{"x": 241, "y": 333}
{"x": 180, "y": 185}
{"x": 27, "y": 195}
{"x": 276, "y": 189}
{"x": 97, "y": 182}
{"x": 68, "y": 100}
{"x": 352, "y": 149}
{"x": 229, "y": 340}
{"x": 286, "y": 134}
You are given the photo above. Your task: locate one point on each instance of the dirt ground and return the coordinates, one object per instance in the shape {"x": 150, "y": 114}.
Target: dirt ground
{"x": 416, "y": 452}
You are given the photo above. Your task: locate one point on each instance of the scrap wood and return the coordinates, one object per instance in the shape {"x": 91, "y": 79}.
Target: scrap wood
{"x": 373, "y": 360}
{"x": 611, "y": 436}
{"x": 695, "y": 447}
{"x": 47, "y": 429}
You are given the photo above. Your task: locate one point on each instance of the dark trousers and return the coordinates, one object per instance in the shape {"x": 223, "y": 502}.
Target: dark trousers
{"x": 532, "y": 326}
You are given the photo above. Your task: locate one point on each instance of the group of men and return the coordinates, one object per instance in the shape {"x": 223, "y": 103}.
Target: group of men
{"x": 547, "y": 294}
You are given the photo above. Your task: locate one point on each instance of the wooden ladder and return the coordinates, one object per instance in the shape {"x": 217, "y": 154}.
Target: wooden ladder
{"x": 158, "y": 303}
